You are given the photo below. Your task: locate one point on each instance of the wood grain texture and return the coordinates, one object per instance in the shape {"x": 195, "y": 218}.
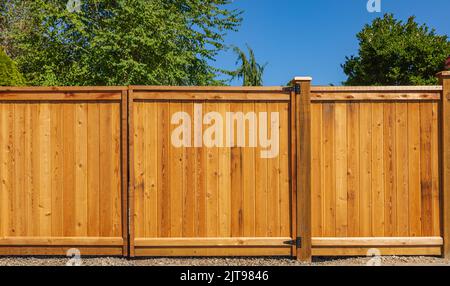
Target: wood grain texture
{"x": 445, "y": 160}
{"x": 60, "y": 178}
{"x": 379, "y": 167}
{"x": 303, "y": 131}
{"x": 372, "y": 172}
{"x": 214, "y": 193}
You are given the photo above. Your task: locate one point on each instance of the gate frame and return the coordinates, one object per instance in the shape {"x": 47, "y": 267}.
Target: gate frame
{"x": 299, "y": 127}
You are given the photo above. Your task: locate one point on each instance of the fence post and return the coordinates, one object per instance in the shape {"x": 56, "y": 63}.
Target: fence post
{"x": 445, "y": 160}
{"x": 302, "y": 87}
{"x": 125, "y": 164}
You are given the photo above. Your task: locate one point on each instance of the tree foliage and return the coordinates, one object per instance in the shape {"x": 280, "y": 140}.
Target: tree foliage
{"x": 393, "y": 52}
{"x": 9, "y": 73}
{"x": 249, "y": 70}
{"x": 157, "y": 42}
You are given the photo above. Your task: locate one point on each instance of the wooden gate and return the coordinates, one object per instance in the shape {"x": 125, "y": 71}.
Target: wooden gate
{"x": 218, "y": 198}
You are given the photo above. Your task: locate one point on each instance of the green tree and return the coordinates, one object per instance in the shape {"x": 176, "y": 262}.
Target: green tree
{"x": 392, "y": 52}
{"x": 9, "y": 73}
{"x": 249, "y": 70}
{"x": 158, "y": 42}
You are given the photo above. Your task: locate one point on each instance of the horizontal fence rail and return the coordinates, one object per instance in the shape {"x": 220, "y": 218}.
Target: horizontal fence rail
{"x": 225, "y": 171}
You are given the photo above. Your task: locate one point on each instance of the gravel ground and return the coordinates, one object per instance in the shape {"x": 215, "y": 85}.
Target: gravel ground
{"x": 323, "y": 261}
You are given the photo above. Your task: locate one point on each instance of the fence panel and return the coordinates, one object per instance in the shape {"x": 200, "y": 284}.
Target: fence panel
{"x": 375, "y": 170}
{"x": 61, "y": 173}
{"x": 203, "y": 184}
{"x": 197, "y": 192}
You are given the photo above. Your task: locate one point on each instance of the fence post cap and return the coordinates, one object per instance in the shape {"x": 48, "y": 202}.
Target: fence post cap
{"x": 302, "y": 78}
{"x": 443, "y": 74}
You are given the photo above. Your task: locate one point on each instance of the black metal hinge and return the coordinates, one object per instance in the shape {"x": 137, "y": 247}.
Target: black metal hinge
{"x": 297, "y": 88}
{"x": 297, "y": 242}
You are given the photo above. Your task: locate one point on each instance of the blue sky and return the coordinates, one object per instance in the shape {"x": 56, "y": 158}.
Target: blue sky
{"x": 312, "y": 37}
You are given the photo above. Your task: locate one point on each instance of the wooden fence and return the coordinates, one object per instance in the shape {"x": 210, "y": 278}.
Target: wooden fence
{"x": 97, "y": 169}
{"x": 375, "y": 170}
{"x": 61, "y": 173}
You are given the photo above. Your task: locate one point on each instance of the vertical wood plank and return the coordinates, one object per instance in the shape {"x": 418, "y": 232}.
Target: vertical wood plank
{"x": 106, "y": 171}
{"x": 212, "y": 217}
{"x": 237, "y": 223}
{"x": 402, "y": 173}
{"x": 377, "y": 170}
{"x": 32, "y": 180}
{"x": 189, "y": 208}
{"x": 139, "y": 168}
{"x": 285, "y": 192}
{"x": 435, "y": 171}
{"x": 164, "y": 194}
{"x": 365, "y": 139}
{"x": 200, "y": 181}
{"x": 150, "y": 212}
{"x": 31, "y": 189}
{"x": 125, "y": 162}
{"x": 175, "y": 178}
{"x": 415, "y": 201}
{"x": 390, "y": 178}
{"x": 57, "y": 168}
{"x": 11, "y": 170}
{"x": 224, "y": 183}
{"x": 45, "y": 198}
{"x": 353, "y": 177}
{"x": 116, "y": 175}
{"x": 93, "y": 169}
{"x": 19, "y": 168}
{"x": 316, "y": 170}
{"x": 132, "y": 175}
{"x": 341, "y": 169}
{"x": 273, "y": 215}
{"x": 69, "y": 143}
{"x": 81, "y": 191}
{"x": 261, "y": 172}
{"x": 329, "y": 170}
{"x": 5, "y": 188}
{"x": 248, "y": 170}
{"x": 426, "y": 119}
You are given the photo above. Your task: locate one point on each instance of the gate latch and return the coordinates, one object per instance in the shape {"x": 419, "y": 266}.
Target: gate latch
{"x": 297, "y": 242}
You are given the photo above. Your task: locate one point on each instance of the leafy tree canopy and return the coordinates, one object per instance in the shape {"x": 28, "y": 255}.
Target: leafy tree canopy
{"x": 249, "y": 69}
{"x": 392, "y": 52}
{"x": 9, "y": 73}
{"x": 104, "y": 42}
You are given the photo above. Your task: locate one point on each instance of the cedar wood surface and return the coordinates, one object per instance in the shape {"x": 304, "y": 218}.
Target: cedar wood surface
{"x": 229, "y": 201}
{"x": 61, "y": 170}
{"x": 375, "y": 173}
{"x": 375, "y": 165}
